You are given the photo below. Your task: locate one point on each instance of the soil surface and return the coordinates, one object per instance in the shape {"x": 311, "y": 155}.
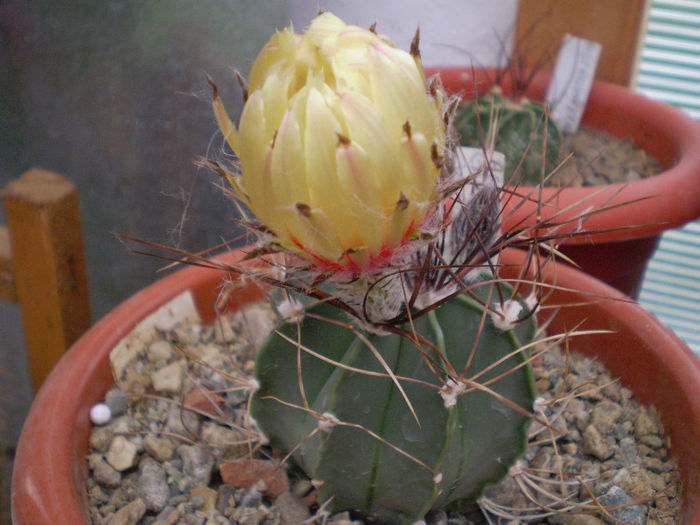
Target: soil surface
{"x": 592, "y": 158}
{"x": 180, "y": 449}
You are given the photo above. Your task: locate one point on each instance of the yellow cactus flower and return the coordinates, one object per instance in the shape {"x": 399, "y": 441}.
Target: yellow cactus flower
{"x": 339, "y": 144}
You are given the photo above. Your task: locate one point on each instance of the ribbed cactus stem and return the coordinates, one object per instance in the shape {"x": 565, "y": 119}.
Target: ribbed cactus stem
{"x": 447, "y": 420}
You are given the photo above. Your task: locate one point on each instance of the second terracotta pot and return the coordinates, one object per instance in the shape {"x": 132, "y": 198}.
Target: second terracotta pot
{"x": 623, "y": 238}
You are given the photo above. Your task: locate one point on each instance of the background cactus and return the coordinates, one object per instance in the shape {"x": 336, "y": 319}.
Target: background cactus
{"x": 519, "y": 128}
{"x": 378, "y": 460}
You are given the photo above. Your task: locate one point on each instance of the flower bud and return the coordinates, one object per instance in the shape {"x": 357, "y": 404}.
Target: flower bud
{"x": 339, "y": 144}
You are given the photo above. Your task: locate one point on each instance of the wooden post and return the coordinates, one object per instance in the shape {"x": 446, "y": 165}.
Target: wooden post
{"x": 617, "y": 24}
{"x": 7, "y": 278}
{"x": 48, "y": 265}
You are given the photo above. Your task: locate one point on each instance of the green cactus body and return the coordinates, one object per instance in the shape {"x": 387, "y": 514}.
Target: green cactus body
{"x": 455, "y": 451}
{"x": 521, "y": 129}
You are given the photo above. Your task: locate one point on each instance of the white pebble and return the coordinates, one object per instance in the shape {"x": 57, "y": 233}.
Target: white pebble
{"x": 100, "y": 414}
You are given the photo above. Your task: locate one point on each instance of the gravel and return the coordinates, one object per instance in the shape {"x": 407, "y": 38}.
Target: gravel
{"x": 188, "y": 455}
{"x": 596, "y": 158}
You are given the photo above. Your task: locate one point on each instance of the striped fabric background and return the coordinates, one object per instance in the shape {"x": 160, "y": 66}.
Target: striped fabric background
{"x": 670, "y": 71}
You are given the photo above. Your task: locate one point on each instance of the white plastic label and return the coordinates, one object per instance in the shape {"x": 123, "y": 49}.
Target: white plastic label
{"x": 571, "y": 82}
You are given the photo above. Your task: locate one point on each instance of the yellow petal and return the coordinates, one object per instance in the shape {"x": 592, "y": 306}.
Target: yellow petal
{"x": 363, "y": 210}
{"x": 280, "y": 52}
{"x": 320, "y": 141}
{"x": 275, "y": 96}
{"x": 363, "y": 123}
{"x": 288, "y": 183}
{"x": 397, "y": 89}
{"x": 324, "y": 27}
{"x": 419, "y": 170}
{"x": 253, "y": 153}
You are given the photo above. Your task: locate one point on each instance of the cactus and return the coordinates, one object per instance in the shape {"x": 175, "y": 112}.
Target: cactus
{"x": 421, "y": 397}
{"x": 375, "y": 458}
{"x": 522, "y": 128}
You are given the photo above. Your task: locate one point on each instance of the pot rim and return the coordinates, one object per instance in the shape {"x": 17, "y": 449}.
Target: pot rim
{"x": 41, "y": 495}
{"x": 641, "y": 208}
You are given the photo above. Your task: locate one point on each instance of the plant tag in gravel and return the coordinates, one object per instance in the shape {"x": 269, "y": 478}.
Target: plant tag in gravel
{"x": 180, "y": 309}
{"x": 571, "y": 81}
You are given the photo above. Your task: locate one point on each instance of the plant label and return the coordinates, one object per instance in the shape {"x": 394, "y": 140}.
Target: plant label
{"x": 571, "y": 82}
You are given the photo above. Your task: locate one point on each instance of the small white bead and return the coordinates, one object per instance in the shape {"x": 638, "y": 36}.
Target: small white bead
{"x": 100, "y": 414}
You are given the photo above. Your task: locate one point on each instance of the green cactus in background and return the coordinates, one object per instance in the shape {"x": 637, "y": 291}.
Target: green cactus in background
{"x": 520, "y": 133}
{"x": 350, "y": 428}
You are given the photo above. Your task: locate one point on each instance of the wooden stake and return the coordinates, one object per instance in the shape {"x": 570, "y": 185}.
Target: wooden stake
{"x": 7, "y": 278}
{"x": 48, "y": 265}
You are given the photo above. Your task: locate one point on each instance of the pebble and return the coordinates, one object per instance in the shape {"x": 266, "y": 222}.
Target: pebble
{"x": 627, "y": 513}
{"x": 247, "y": 473}
{"x": 104, "y": 473}
{"x": 168, "y": 379}
{"x": 652, "y": 440}
{"x": 117, "y": 402}
{"x": 122, "y": 453}
{"x": 101, "y": 438}
{"x": 248, "y": 515}
{"x": 252, "y": 497}
{"x": 225, "y": 499}
{"x": 302, "y": 487}
{"x": 596, "y": 444}
{"x": 645, "y": 425}
{"x": 181, "y": 421}
{"x": 161, "y": 449}
{"x": 289, "y": 508}
{"x": 203, "y": 498}
{"x": 197, "y": 465}
{"x": 225, "y": 442}
{"x": 159, "y": 351}
{"x": 129, "y": 514}
{"x": 168, "y": 516}
{"x": 152, "y": 485}
{"x": 605, "y": 415}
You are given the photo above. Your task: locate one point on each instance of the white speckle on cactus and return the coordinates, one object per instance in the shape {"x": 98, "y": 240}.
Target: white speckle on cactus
{"x": 327, "y": 421}
{"x": 291, "y": 311}
{"x": 100, "y": 414}
{"x": 437, "y": 478}
{"x": 450, "y": 391}
{"x": 253, "y": 384}
{"x": 505, "y": 315}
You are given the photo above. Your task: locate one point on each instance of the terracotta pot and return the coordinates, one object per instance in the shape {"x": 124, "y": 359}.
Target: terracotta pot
{"x": 48, "y": 485}
{"x": 617, "y": 255}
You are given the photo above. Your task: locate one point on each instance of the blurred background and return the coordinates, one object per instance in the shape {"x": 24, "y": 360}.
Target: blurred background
{"x": 112, "y": 94}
